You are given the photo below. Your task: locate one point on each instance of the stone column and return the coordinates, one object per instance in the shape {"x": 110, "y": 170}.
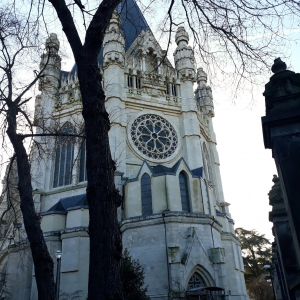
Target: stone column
{"x": 281, "y": 131}
{"x": 190, "y": 130}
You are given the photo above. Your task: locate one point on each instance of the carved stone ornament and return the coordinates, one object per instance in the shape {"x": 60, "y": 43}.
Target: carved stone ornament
{"x": 154, "y": 136}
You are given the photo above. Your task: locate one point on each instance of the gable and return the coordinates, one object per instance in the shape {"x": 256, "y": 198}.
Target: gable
{"x": 145, "y": 47}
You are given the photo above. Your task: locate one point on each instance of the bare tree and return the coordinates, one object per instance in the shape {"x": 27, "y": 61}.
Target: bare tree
{"x": 18, "y": 38}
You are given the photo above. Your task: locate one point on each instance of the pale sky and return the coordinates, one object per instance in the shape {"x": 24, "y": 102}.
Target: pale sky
{"x": 247, "y": 168}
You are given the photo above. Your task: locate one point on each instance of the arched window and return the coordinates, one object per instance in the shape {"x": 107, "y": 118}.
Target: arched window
{"x": 64, "y": 157}
{"x": 196, "y": 281}
{"x": 146, "y": 195}
{"x": 206, "y": 163}
{"x": 167, "y": 86}
{"x": 138, "y": 83}
{"x": 130, "y": 80}
{"x": 184, "y": 192}
{"x": 82, "y": 163}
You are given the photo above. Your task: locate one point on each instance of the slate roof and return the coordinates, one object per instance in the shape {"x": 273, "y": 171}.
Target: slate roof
{"x": 133, "y": 22}
{"x": 163, "y": 170}
{"x": 66, "y": 204}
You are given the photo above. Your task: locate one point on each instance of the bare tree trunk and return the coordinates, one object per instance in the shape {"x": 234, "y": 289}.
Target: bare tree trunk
{"x": 43, "y": 263}
{"x": 102, "y": 196}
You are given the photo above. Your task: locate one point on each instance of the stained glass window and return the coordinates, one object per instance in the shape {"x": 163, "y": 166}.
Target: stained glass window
{"x": 154, "y": 136}
{"x": 184, "y": 193}
{"x": 64, "y": 157}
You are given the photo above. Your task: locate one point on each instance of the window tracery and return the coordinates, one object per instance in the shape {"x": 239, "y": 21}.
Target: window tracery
{"x": 196, "y": 281}
{"x": 154, "y": 136}
{"x": 64, "y": 156}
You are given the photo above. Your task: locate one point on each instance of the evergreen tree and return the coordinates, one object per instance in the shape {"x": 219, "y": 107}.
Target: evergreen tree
{"x": 257, "y": 252}
{"x": 132, "y": 277}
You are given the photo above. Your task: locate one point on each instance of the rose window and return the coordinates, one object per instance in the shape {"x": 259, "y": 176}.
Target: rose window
{"x": 154, "y": 136}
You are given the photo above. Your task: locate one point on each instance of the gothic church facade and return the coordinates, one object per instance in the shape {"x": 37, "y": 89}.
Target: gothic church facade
{"x": 174, "y": 218}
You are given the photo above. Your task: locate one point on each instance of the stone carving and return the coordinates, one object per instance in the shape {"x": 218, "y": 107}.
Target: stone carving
{"x": 284, "y": 82}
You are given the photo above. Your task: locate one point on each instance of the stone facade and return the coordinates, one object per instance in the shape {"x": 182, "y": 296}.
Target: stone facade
{"x": 173, "y": 218}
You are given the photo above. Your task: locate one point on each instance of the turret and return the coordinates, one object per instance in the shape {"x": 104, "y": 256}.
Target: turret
{"x": 113, "y": 78}
{"x": 113, "y": 52}
{"x": 184, "y": 56}
{"x": 203, "y": 94}
{"x": 184, "y": 63}
{"x": 52, "y": 61}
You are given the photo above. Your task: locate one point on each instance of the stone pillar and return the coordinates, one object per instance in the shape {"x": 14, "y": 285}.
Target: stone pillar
{"x": 281, "y": 131}
{"x": 113, "y": 66}
{"x": 190, "y": 130}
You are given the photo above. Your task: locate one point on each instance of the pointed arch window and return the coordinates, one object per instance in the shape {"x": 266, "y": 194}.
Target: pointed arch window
{"x": 196, "y": 281}
{"x": 82, "y": 163}
{"x": 174, "y": 91}
{"x": 167, "y": 86}
{"x": 64, "y": 156}
{"x": 130, "y": 80}
{"x": 184, "y": 192}
{"x": 138, "y": 82}
{"x": 146, "y": 195}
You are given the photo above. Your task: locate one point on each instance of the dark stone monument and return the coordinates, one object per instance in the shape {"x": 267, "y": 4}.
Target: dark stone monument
{"x": 281, "y": 131}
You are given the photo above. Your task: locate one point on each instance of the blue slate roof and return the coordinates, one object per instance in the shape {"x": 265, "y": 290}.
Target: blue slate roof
{"x": 66, "y": 204}
{"x": 133, "y": 22}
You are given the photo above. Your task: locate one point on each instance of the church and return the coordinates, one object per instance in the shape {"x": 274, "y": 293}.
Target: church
{"x": 173, "y": 218}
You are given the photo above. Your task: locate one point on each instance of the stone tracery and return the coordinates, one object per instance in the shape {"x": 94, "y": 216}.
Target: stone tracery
{"x": 154, "y": 136}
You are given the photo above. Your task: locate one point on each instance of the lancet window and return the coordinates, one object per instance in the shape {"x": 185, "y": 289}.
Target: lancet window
{"x": 146, "y": 195}
{"x": 82, "y": 163}
{"x": 184, "y": 193}
{"x": 174, "y": 92}
{"x": 138, "y": 82}
{"x": 64, "y": 157}
{"x": 130, "y": 80}
{"x": 167, "y": 87}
